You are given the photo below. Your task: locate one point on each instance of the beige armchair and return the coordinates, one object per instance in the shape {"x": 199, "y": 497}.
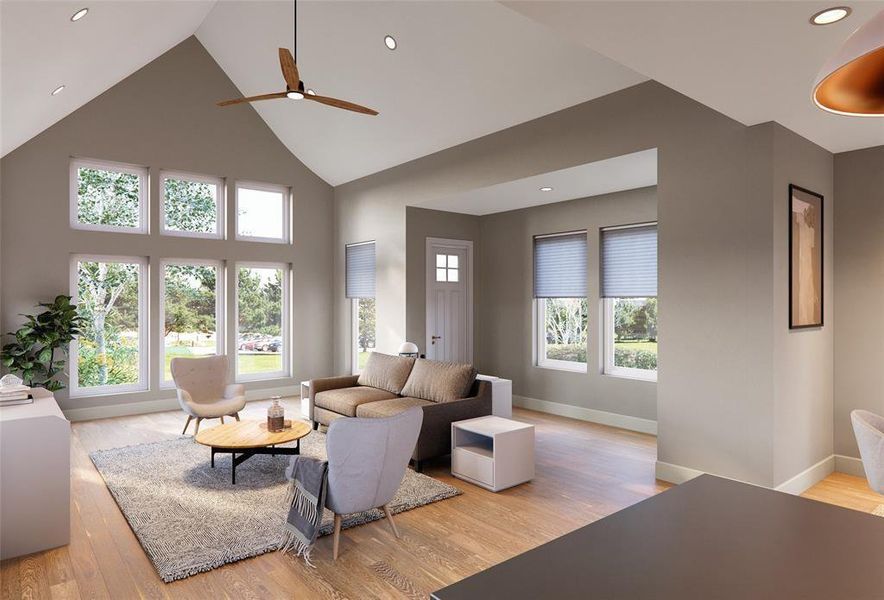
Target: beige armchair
{"x": 203, "y": 391}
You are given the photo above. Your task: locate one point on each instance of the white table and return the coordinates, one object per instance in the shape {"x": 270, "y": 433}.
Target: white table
{"x": 501, "y": 395}
{"x": 492, "y": 452}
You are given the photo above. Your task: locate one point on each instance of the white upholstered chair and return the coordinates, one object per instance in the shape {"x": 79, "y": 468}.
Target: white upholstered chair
{"x": 203, "y": 390}
{"x": 367, "y": 459}
{"x": 869, "y": 431}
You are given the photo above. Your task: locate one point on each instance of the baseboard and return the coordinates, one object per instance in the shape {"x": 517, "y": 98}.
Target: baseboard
{"x": 849, "y": 465}
{"x": 90, "y": 413}
{"x": 587, "y": 414}
{"x": 809, "y": 477}
{"x": 676, "y": 474}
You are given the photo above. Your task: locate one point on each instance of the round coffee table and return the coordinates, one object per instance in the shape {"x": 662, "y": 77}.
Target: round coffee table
{"x": 248, "y": 438}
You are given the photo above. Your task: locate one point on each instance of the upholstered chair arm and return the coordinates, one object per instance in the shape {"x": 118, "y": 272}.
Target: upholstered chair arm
{"x": 184, "y": 400}
{"x": 329, "y": 383}
{"x": 232, "y": 390}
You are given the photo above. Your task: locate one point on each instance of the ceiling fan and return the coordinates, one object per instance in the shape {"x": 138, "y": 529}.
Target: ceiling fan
{"x": 294, "y": 87}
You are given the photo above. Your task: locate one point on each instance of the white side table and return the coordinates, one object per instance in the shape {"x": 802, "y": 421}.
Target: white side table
{"x": 305, "y": 399}
{"x": 492, "y": 452}
{"x": 501, "y": 395}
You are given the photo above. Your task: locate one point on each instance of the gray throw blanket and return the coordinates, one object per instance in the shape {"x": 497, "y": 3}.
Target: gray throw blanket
{"x": 306, "y": 499}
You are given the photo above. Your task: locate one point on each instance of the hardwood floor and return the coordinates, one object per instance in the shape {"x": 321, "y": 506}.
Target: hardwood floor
{"x": 584, "y": 472}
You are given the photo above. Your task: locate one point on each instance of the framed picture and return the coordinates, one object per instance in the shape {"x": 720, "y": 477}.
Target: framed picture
{"x": 805, "y": 258}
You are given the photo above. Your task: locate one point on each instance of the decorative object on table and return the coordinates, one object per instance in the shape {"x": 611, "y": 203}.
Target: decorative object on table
{"x": 492, "y": 452}
{"x": 169, "y": 482}
{"x": 869, "y": 431}
{"x": 13, "y": 391}
{"x": 850, "y": 83}
{"x": 275, "y": 415}
{"x": 409, "y": 349}
{"x": 203, "y": 391}
{"x": 33, "y": 352}
{"x": 805, "y": 258}
{"x": 306, "y": 501}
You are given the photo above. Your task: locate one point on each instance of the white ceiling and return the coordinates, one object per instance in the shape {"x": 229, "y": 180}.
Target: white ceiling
{"x": 40, "y": 49}
{"x": 753, "y": 61}
{"x": 626, "y": 172}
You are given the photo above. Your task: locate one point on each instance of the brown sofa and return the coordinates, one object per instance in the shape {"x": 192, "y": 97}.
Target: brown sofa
{"x": 388, "y": 385}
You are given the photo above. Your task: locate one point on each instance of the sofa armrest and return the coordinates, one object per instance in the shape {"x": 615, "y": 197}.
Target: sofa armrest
{"x": 435, "y": 436}
{"x": 329, "y": 383}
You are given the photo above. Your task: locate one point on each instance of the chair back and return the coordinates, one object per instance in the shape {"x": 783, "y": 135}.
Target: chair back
{"x": 203, "y": 378}
{"x": 367, "y": 459}
{"x": 869, "y": 431}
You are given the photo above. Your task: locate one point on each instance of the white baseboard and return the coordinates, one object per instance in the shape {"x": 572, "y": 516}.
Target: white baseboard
{"x": 676, "y": 474}
{"x": 163, "y": 404}
{"x": 587, "y": 414}
{"x": 850, "y": 465}
{"x": 809, "y": 477}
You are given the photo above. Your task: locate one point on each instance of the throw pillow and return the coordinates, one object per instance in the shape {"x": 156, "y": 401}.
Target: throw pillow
{"x": 386, "y": 372}
{"x": 439, "y": 381}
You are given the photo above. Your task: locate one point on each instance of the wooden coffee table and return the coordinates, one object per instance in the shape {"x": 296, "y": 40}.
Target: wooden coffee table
{"x": 248, "y": 438}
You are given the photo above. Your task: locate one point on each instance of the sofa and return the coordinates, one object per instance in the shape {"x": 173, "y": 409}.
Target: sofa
{"x": 388, "y": 385}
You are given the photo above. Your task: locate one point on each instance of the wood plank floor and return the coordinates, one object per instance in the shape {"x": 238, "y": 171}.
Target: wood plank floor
{"x": 584, "y": 472}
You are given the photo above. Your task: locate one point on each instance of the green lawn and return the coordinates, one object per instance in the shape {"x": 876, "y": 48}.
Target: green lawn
{"x": 652, "y": 346}
{"x": 363, "y": 358}
{"x": 248, "y": 363}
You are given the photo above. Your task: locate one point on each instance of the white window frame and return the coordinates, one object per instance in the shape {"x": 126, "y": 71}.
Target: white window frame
{"x": 218, "y": 182}
{"x": 609, "y": 339}
{"x": 286, "y": 210}
{"x": 143, "y": 328}
{"x": 541, "y": 360}
{"x": 143, "y": 195}
{"x": 285, "y": 323}
{"x": 219, "y": 309}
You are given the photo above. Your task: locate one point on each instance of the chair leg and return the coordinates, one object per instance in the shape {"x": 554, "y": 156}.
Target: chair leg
{"x": 222, "y": 419}
{"x": 315, "y": 425}
{"x": 236, "y": 416}
{"x": 186, "y": 425}
{"x": 390, "y": 519}
{"x": 336, "y": 542}
{"x": 197, "y": 430}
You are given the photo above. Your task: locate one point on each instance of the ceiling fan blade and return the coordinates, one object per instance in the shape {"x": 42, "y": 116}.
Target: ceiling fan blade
{"x": 289, "y": 69}
{"x": 341, "y": 104}
{"x": 252, "y": 99}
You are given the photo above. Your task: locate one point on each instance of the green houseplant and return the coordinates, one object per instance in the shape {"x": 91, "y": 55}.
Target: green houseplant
{"x": 32, "y": 355}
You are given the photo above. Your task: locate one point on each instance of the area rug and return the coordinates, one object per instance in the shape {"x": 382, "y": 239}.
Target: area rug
{"x": 189, "y": 518}
{"x": 879, "y": 511}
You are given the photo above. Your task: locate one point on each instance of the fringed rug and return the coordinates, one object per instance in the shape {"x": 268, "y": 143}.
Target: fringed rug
{"x": 879, "y": 511}
{"x": 189, "y": 518}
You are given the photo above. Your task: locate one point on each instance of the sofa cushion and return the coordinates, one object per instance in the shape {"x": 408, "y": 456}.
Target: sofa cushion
{"x": 345, "y": 400}
{"x": 388, "y": 408}
{"x": 386, "y": 372}
{"x": 439, "y": 381}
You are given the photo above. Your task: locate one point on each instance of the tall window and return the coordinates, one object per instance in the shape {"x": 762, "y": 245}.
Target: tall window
{"x": 562, "y": 314}
{"x": 629, "y": 293}
{"x": 360, "y": 288}
{"x": 262, "y": 340}
{"x": 262, "y": 212}
{"x": 110, "y": 355}
{"x": 108, "y": 196}
{"x": 192, "y": 205}
{"x": 191, "y": 315}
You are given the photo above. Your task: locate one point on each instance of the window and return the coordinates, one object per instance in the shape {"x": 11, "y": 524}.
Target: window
{"x": 190, "y": 313}
{"x": 262, "y": 212}
{"x": 629, "y": 292}
{"x": 562, "y": 314}
{"x": 360, "y": 288}
{"x": 447, "y": 268}
{"x": 110, "y": 355}
{"x": 108, "y": 196}
{"x": 191, "y": 205}
{"x": 262, "y": 340}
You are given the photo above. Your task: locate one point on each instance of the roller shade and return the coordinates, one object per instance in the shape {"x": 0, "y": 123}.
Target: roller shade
{"x": 560, "y": 266}
{"x": 360, "y": 270}
{"x": 629, "y": 262}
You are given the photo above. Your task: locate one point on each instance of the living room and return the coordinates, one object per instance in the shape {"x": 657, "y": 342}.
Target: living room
{"x": 596, "y": 287}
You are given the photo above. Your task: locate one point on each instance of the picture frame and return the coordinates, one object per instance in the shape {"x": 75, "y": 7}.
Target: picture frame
{"x": 806, "y": 256}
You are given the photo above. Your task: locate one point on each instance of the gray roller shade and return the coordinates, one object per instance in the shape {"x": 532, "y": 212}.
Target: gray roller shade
{"x": 360, "y": 270}
{"x": 629, "y": 262}
{"x": 560, "y": 266}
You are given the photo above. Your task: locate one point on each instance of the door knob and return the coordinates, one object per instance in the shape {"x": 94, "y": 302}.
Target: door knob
{"x": 435, "y": 337}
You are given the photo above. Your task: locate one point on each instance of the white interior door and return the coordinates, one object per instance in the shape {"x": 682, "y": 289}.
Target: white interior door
{"x": 449, "y": 300}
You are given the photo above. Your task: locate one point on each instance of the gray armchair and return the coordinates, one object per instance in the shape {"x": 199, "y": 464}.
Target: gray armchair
{"x": 203, "y": 391}
{"x": 367, "y": 459}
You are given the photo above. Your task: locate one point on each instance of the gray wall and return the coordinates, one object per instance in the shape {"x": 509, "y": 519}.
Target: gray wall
{"x": 164, "y": 116}
{"x": 859, "y": 289}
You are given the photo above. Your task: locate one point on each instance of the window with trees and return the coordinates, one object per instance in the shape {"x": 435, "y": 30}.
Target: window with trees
{"x": 108, "y": 196}
{"x": 110, "y": 355}
{"x": 262, "y": 212}
{"x": 262, "y": 340}
{"x": 562, "y": 315}
{"x": 190, "y": 313}
{"x": 191, "y": 205}
{"x": 629, "y": 294}
{"x": 360, "y": 288}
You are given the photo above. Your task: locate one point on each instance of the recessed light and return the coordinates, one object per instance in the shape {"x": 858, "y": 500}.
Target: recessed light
{"x": 390, "y": 42}
{"x": 546, "y": 188}
{"x": 293, "y": 95}
{"x": 58, "y": 90}
{"x": 830, "y": 15}
{"x": 311, "y": 92}
{"x": 79, "y": 14}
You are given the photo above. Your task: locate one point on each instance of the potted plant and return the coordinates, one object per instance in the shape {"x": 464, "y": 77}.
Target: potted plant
{"x": 33, "y": 353}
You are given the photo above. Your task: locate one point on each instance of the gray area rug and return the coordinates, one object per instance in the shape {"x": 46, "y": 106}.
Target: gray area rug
{"x": 189, "y": 518}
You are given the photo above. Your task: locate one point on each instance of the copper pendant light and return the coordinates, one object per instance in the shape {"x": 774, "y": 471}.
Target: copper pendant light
{"x": 852, "y": 82}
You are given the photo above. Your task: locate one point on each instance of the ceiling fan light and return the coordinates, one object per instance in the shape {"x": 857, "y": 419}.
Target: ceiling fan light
{"x": 390, "y": 42}
{"x": 294, "y": 95}
{"x": 830, "y": 15}
{"x": 79, "y": 14}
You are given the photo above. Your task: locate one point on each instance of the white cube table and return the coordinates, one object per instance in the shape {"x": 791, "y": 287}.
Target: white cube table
{"x": 492, "y": 452}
